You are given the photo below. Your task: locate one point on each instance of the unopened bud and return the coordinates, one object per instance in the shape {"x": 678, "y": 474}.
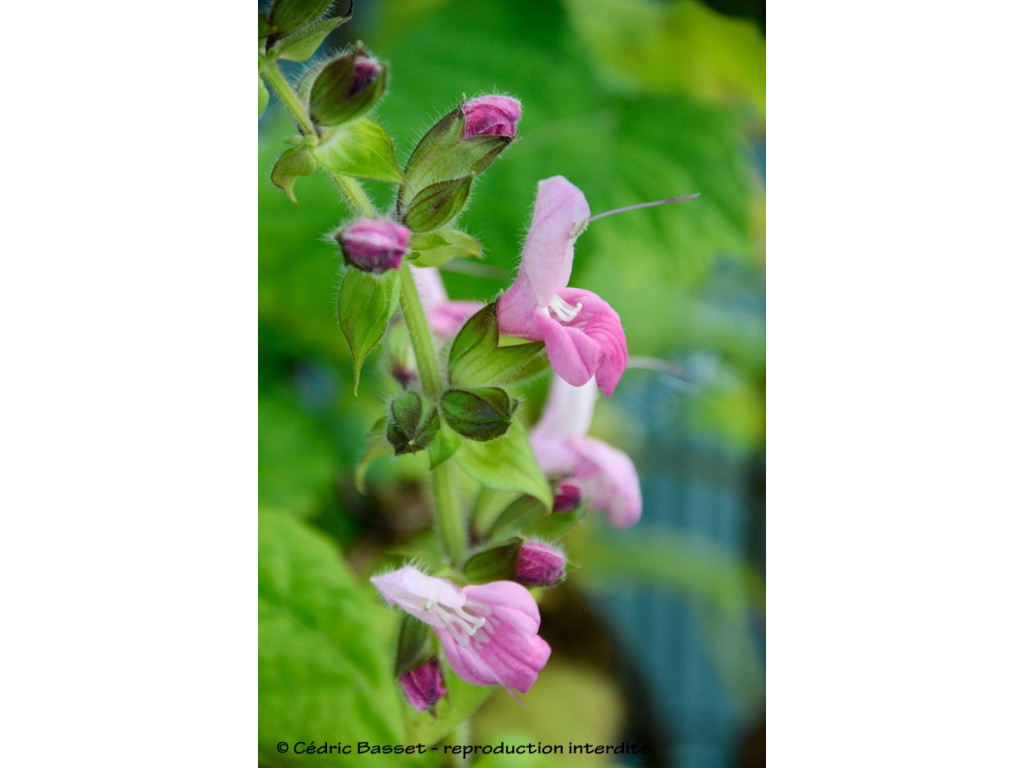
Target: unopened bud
{"x": 539, "y": 564}
{"x": 374, "y": 245}
{"x": 567, "y": 499}
{"x": 479, "y": 414}
{"x": 424, "y": 685}
{"x": 491, "y": 116}
{"x": 346, "y": 87}
{"x": 411, "y": 426}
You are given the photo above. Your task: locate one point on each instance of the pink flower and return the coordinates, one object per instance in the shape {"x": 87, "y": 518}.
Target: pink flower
{"x": 374, "y": 245}
{"x": 488, "y": 632}
{"x": 491, "y": 116}
{"x": 604, "y": 474}
{"x": 582, "y": 333}
{"x": 445, "y": 316}
{"x": 424, "y": 686}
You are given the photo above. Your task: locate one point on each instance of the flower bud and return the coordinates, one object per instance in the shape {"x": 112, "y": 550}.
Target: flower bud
{"x": 539, "y": 564}
{"x": 424, "y": 686}
{"x": 374, "y": 245}
{"x": 568, "y": 498}
{"x": 479, "y": 414}
{"x": 346, "y": 87}
{"x": 491, "y": 116}
{"x": 410, "y": 426}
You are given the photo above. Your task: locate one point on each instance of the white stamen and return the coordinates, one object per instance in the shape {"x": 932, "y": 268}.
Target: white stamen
{"x": 563, "y": 310}
{"x": 462, "y": 624}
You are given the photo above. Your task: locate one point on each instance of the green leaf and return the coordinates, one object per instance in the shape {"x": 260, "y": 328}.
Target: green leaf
{"x": 506, "y": 464}
{"x": 264, "y": 95}
{"x": 433, "y": 249}
{"x": 476, "y": 359}
{"x": 303, "y": 42}
{"x": 325, "y": 671}
{"x": 443, "y": 447}
{"x": 553, "y": 526}
{"x": 678, "y": 45}
{"x": 297, "y": 463}
{"x": 292, "y": 164}
{"x": 365, "y": 305}
{"x": 495, "y": 563}
{"x": 436, "y": 205}
{"x": 359, "y": 148}
{"x": 264, "y": 26}
{"x": 287, "y": 15}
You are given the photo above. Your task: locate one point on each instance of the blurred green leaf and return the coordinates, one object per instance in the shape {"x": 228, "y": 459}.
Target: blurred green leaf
{"x": 359, "y": 148}
{"x": 296, "y": 461}
{"x": 506, "y": 463}
{"x": 324, "y": 672}
{"x": 677, "y": 45}
{"x": 264, "y": 95}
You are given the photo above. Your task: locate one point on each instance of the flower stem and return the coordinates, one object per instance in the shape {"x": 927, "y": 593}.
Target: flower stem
{"x": 354, "y": 196}
{"x": 446, "y": 481}
{"x": 272, "y": 74}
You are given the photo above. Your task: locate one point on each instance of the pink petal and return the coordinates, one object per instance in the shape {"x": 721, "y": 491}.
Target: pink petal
{"x": 593, "y": 343}
{"x": 410, "y": 590}
{"x": 446, "y": 318}
{"x": 559, "y": 216}
{"x": 507, "y": 649}
{"x": 429, "y": 286}
{"x": 568, "y": 410}
{"x": 608, "y": 477}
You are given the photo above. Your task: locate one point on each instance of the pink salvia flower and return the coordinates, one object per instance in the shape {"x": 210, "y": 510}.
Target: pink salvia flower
{"x": 374, "y": 245}
{"x": 491, "y": 116}
{"x": 604, "y": 474}
{"x": 583, "y": 335}
{"x": 488, "y": 632}
{"x": 445, "y": 316}
{"x": 424, "y": 686}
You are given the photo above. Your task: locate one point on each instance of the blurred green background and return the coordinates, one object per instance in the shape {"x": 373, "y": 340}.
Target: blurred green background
{"x": 659, "y": 637}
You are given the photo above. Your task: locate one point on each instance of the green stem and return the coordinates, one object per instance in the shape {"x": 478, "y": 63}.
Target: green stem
{"x": 272, "y": 74}
{"x": 450, "y": 525}
{"x": 357, "y": 200}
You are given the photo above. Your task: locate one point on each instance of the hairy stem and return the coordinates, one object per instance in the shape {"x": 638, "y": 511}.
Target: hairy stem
{"x": 446, "y": 491}
{"x": 272, "y": 74}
